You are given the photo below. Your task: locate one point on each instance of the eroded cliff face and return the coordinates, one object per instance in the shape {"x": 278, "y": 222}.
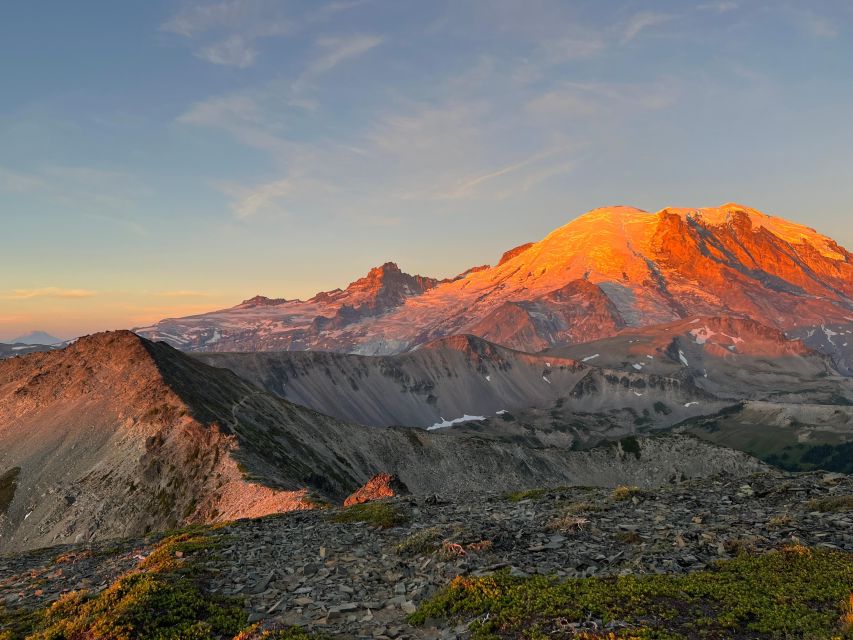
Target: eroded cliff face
{"x": 611, "y": 268}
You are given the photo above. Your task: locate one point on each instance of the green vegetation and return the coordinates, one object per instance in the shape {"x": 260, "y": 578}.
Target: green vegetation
{"x": 581, "y": 507}
{"x": 379, "y": 514}
{"x": 660, "y": 407}
{"x": 628, "y": 537}
{"x": 779, "y": 445}
{"x": 829, "y": 457}
{"x": 316, "y": 501}
{"x": 291, "y": 633}
{"x": 779, "y": 521}
{"x": 631, "y": 445}
{"x": 624, "y": 492}
{"x": 831, "y": 504}
{"x": 527, "y": 494}
{"x": 161, "y": 599}
{"x": 8, "y": 484}
{"x": 792, "y": 593}
{"x": 420, "y": 542}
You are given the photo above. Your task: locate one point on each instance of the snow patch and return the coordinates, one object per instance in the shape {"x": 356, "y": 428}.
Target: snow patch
{"x": 638, "y": 367}
{"x": 588, "y": 358}
{"x": 682, "y": 358}
{"x": 488, "y": 378}
{"x": 546, "y": 380}
{"x": 449, "y": 423}
{"x": 702, "y": 334}
{"x": 690, "y": 404}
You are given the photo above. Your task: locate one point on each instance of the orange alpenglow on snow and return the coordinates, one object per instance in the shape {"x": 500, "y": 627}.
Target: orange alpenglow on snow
{"x": 607, "y": 270}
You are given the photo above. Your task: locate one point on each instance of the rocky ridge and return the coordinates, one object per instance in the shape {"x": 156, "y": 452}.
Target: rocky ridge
{"x": 115, "y": 436}
{"x": 353, "y": 579}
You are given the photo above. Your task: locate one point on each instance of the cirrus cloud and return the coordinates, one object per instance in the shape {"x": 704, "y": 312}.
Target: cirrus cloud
{"x": 49, "y": 292}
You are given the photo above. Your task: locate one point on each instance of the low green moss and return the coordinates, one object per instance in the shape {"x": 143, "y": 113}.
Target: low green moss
{"x": 580, "y": 506}
{"x": 420, "y": 542}
{"x": 831, "y": 504}
{"x": 528, "y": 494}
{"x": 17, "y": 623}
{"x": 379, "y": 514}
{"x": 290, "y": 633}
{"x": 624, "y": 492}
{"x": 161, "y": 599}
{"x": 792, "y": 593}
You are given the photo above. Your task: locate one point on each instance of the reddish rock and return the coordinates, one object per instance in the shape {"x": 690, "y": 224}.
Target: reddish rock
{"x": 382, "y": 485}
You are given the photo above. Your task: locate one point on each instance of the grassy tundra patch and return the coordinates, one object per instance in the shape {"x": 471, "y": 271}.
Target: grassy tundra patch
{"x": 793, "y": 593}
{"x": 379, "y": 514}
{"x": 161, "y": 599}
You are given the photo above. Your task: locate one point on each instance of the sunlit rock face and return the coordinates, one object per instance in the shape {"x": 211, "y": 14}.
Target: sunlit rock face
{"x": 610, "y": 269}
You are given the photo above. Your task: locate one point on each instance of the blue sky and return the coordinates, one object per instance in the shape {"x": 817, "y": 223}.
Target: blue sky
{"x": 164, "y": 157}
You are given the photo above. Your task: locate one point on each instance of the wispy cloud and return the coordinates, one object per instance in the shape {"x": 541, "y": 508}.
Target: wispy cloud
{"x": 575, "y": 99}
{"x": 468, "y": 187}
{"x": 338, "y": 49}
{"x": 49, "y": 292}
{"x": 196, "y": 19}
{"x": 583, "y": 44}
{"x": 249, "y": 201}
{"x": 490, "y": 130}
{"x": 16, "y": 181}
{"x": 817, "y": 25}
{"x": 100, "y": 194}
{"x": 721, "y": 6}
{"x": 228, "y": 32}
{"x": 184, "y": 293}
{"x": 641, "y": 22}
{"x": 234, "y": 51}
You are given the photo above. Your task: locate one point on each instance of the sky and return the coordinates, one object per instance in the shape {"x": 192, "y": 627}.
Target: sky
{"x": 168, "y": 157}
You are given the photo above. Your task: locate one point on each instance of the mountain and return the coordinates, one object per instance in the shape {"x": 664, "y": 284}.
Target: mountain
{"x": 268, "y": 324}
{"x": 445, "y": 381}
{"x": 37, "y": 337}
{"x": 116, "y": 436}
{"x": 19, "y": 349}
{"x": 730, "y": 358}
{"x": 746, "y": 379}
{"x": 610, "y": 269}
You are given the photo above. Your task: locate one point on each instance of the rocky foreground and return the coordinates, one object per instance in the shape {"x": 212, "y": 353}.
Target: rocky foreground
{"x": 360, "y": 571}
